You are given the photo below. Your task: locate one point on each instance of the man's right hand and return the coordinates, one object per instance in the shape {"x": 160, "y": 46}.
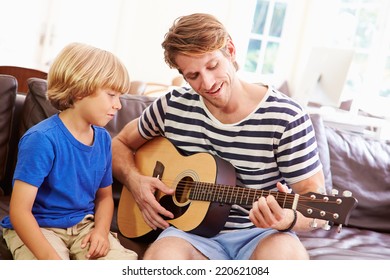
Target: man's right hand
{"x": 144, "y": 191}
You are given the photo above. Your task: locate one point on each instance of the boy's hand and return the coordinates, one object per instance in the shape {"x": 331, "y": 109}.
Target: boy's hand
{"x": 98, "y": 244}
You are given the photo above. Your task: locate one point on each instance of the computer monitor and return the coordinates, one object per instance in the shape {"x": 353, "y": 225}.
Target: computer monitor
{"x": 324, "y": 77}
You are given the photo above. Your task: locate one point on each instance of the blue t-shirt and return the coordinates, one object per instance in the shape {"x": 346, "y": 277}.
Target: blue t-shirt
{"x": 66, "y": 172}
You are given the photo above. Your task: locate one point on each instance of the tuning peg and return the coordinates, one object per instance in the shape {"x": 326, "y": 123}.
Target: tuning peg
{"x": 335, "y": 192}
{"x": 326, "y": 226}
{"x": 347, "y": 193}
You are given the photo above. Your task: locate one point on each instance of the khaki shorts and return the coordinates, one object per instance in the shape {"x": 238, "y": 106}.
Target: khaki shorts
{"x": 67, "y": 243}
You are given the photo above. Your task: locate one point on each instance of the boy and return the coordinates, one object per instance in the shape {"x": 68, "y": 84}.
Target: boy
{"x": 61, "y": 205}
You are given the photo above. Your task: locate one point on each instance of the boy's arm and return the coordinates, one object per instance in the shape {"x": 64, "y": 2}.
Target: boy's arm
{"x": 104, "y": 208}
{"x": 25, "y": 224}
{"x": 98, "y": 238}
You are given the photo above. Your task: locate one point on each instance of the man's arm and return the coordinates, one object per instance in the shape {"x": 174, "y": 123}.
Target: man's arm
{"x": 142, "y": 187}
{"x": 124, "y": 144}
{"x": 266, "y": 212}
{"x": 316, "y": 184}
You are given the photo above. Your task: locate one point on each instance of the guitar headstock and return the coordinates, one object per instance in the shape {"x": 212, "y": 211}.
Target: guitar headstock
{"x": 333, "y": 208}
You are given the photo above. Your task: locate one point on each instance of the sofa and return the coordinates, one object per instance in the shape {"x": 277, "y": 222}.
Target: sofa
{"x": 351, "y": 162}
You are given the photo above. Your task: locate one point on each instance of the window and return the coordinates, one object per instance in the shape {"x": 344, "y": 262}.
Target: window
{"x": 369, "y": 79}
{"x": 265, "y": 37}
{"x": 283, "y": 33}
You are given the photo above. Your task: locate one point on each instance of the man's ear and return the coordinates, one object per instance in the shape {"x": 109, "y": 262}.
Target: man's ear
{"x": 231, "y": 49}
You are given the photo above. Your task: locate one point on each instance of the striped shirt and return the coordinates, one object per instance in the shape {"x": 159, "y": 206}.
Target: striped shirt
{"x": 274, "y": 143}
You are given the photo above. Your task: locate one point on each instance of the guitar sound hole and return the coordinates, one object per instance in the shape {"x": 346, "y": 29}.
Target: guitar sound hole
{"x": 179, "y": 203}
{"x": 168, "y": 203}
{"x": 183, "y": 190}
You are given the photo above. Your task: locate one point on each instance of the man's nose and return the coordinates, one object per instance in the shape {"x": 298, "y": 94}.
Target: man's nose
{"x": 208, "y": 82}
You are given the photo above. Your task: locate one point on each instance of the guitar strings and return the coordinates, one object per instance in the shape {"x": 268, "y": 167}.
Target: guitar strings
{"x": 249, "y": 196}
{"x": 252, "y": 194}
{"x": 184, "y": 188}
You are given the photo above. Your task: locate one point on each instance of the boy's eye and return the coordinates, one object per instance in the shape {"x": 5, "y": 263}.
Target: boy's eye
{"x": 111, "y": 93}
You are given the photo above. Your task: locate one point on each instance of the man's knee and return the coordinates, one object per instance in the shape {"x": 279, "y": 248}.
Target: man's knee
{"x": 280, "y": 246}
{"x": 172, "y": 248}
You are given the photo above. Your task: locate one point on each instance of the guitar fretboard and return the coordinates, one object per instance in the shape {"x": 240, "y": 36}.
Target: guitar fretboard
{"x": 236, "y": 195}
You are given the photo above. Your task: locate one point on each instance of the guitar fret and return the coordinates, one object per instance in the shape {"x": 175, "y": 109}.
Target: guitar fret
{"x": 214, "y": 194}
{"x": 256, "y": 196}
{"x": 247, "y": 196}
{"x": 230, "y": 194}
{"x": 221, "y": 192}
{"x": 205, "y": 191}
{"x": 226, "y": 193}
{"x": 201, "y": 191}
{"x": 194, "y": 191}
{"x": 211, "y": 191}
{"x": 277, "y": 198}
{"x": 239, "y": 196}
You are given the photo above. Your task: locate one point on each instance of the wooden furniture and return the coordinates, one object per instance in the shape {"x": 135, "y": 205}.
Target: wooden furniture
{"x": 22, "y": 74}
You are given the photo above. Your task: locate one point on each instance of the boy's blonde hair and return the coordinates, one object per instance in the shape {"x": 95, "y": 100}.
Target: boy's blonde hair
{"x": 79, "y": 70}
{"x": 193, "y": 35}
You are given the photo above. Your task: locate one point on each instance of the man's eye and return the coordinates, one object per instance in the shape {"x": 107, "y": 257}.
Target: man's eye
{"x": 192, "y": 77}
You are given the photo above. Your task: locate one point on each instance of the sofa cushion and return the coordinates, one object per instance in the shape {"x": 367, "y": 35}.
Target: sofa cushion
{"x": 362, "y": 165}
{"x": 132, "y": 107}
{"x": 349, "y": 244}
{"x": 36, "y": 106}
{"x": 8, "y": 89}
{"x": 323, "y": 149}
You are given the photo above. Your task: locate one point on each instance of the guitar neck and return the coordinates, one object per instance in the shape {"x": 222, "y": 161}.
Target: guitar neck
{"x": 238, "y": 195}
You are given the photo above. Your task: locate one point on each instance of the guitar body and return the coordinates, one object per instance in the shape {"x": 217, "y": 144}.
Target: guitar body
{"x": 205, "y": 188}
{"x": 179, "y": 173}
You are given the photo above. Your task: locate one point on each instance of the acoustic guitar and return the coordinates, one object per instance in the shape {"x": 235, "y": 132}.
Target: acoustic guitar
{"x": 205, "y": 189}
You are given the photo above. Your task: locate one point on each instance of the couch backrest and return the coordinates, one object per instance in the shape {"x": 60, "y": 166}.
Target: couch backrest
{"x": 8, "y": 89}
{"x": 37, "y": 108}
{"x": 362, "y": 165}
{"x": 132, "y": 107}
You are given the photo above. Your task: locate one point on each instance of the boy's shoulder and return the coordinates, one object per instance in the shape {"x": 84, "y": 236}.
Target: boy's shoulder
{"x": 44, "y": 126}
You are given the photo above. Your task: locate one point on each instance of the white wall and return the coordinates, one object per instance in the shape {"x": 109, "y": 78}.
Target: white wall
{"x": 21, "y": 26}
{"x": 132, "y": 29}
{"x": 142, "y": 34}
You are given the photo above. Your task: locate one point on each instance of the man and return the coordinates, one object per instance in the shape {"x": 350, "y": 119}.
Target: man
{"x": 265, "y": 135}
